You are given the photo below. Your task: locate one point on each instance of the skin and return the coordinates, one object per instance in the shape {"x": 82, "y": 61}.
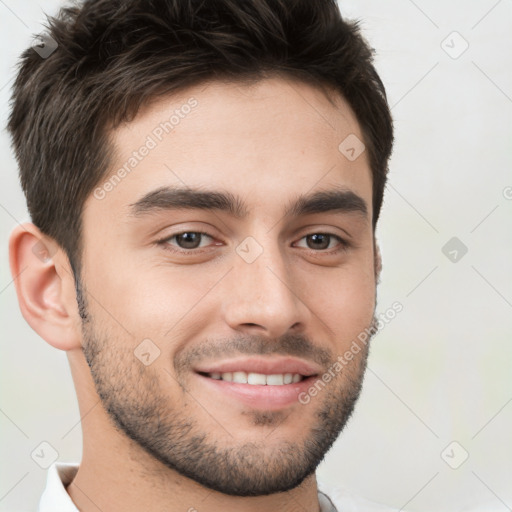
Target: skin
{"x": 267, "y": 143}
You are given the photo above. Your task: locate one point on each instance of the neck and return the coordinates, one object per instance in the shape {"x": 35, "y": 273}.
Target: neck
{"x": 115, "y": 487}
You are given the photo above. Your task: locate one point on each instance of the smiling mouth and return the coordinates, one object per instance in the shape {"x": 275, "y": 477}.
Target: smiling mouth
{"x": 256, "y": 379}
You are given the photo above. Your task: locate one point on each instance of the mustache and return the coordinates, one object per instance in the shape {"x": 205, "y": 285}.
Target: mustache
{"x": 288, "y": 345}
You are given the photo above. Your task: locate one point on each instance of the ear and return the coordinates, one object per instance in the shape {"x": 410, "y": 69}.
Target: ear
{"x": 45, "y": 287}
{"x": 377, "y": 261}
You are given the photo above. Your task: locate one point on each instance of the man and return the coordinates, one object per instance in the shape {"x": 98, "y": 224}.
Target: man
{"x": 204, "y": 180}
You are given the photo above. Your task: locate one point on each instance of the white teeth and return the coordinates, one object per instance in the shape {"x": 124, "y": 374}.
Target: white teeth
{"x": 227, "y": 376}
{"x": 277, "y": 379}
{"x": 240, "y": 377}
{"x": 257, "y": 378}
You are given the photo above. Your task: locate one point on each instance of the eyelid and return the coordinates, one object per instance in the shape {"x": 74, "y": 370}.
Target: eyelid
{"x": 317, "y": 228}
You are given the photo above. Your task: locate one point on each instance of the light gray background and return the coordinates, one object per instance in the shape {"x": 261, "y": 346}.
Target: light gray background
{"x": 441, "y": 370}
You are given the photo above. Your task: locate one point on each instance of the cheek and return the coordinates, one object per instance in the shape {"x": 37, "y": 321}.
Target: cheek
{"x": 149, "y": 301}
{"x": 353, "y": 307}
{"x": 346, "y": 305}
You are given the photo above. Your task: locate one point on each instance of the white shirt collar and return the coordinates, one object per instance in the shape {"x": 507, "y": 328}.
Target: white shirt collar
{"x": 55, "y": 497}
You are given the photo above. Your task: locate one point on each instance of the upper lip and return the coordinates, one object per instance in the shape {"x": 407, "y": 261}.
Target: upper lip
{"x": 267, "y": 366}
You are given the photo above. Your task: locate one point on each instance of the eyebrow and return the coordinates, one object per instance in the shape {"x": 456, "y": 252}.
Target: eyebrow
{"x": 169, "y": 198}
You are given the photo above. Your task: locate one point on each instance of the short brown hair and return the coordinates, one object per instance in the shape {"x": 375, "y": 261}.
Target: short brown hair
{"x": 113, "y": 56}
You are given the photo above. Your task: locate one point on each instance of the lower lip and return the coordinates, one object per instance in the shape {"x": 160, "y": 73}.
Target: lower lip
{"x": 270, "y": 398}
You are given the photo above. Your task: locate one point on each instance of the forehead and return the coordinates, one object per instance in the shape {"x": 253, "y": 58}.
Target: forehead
{"x": 266, "y": 141}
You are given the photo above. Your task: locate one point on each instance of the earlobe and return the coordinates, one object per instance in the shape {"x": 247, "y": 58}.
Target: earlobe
{"x": 45, "y": 288}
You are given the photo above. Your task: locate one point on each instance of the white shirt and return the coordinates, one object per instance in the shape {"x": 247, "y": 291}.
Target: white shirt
{"x": 56, "y": 499}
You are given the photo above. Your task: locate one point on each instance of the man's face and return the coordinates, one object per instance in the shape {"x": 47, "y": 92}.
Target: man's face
{"x": 278, "y": 285}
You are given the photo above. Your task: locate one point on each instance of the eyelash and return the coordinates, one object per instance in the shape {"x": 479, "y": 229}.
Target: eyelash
{"x": 343, "y": 244}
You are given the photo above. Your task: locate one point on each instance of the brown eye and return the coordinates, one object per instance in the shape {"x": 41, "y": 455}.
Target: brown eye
{"x": 323, "y": 241}
{"x": 318, "y": 241}
{"x": 186, "y": 240}
{"x": 189, "y": 240}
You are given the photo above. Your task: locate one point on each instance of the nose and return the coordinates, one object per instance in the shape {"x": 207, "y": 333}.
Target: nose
{"x": 261, "y": 297}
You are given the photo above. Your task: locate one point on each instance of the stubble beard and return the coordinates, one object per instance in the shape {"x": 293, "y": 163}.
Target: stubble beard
{"x": 133, "y": 396}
